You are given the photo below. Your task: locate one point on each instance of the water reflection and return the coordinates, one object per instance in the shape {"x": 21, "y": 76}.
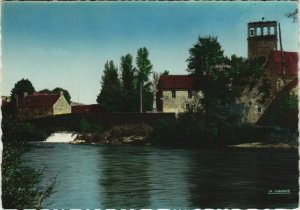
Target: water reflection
{"x": 125, "y": 180}
{"x": 242, "y": 179}
{"x": 144, "y": 177}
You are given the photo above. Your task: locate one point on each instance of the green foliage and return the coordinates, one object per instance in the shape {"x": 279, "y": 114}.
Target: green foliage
{"x": 110, "y": 97}
{"x": 66, "y": 93}
{"x": 293, "y": 15}
{"x": 30, "y": 132}
{"x": 123, "y": 95}
{"x": 289, "y": 101}
{"x": 20, "y": 87}
{"x": 204, "y": 54}
{"x": 143, "y": 64}
{"x": 21, "y": 187}
{"x": 128, "y": 84}
{"x": 144, "y": 68}
{"x": 221, "y": 79}
{"x": 166, "y": 72}
{"x": 86, "y": 127}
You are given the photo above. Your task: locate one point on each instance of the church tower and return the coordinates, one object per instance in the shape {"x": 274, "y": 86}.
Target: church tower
{"x": 262, "y": 38}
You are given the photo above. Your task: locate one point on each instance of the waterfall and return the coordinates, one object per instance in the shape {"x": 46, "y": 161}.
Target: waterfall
{"x": 62, "y": 137}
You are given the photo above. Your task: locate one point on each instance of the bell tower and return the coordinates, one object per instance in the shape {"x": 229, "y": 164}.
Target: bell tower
{"x": 262, "y": 38}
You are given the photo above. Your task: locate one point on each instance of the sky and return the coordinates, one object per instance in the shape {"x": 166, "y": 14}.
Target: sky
{"x": 66, "y": 44}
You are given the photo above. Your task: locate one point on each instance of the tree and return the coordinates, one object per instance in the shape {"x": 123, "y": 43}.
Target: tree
{"x": 293, "y": 15}
{"x": 144, "y": 68}
{"x": 66, "y": 93}
{"x": 110, "y": 95}
{"x": 47, "y": 91}
{"x": 166, "y": 72}
{"x": 22, "y": 86}
{"x": 128, "y": 82}
{"x": 205, "y": 54}
{"x": 21, "y": 187}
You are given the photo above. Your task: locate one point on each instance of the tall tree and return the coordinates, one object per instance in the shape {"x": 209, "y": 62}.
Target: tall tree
{"x": 65, "y": 92}
{"x": 128, "y": 81}
{"x": 110, "y": 95}
{"x": 21, "y": 87}
{"x": 205, "y": 54}
{"x": 144, "y": 68}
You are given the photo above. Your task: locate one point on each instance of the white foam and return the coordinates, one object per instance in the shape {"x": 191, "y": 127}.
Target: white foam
{"x": 62, "y": 137}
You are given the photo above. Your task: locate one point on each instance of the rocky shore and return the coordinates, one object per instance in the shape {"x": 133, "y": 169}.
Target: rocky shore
{"x": 133, "y": 134}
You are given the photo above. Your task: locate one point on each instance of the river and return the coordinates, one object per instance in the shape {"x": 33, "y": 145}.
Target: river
{"x": 102, "y": 176}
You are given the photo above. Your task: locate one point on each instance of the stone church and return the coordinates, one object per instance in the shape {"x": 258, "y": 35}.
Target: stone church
{"x": 281, "y": 68}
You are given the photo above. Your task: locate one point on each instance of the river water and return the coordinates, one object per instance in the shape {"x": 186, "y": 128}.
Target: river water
{"x": 102, "y": 176}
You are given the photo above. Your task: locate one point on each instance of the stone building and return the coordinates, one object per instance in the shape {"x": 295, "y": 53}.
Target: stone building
{"x": 281, "y": 68}
{"x": 42, "y": 105}
{"x": 262, "y": 38}
{"x": 176, "y": 93}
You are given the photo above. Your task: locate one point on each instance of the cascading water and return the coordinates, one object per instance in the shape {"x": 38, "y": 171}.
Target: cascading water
{"x": 62, "y": 137}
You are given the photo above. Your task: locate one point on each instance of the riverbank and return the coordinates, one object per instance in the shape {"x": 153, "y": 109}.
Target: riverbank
{"x": 260, "y": 145}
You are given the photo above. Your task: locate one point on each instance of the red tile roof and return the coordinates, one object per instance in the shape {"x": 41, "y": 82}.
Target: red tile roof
{"x": 178, "y": 82}
{"x": 39, "y": 100}
{"x": 290, "y": 59}
{"x": 87, "y": 108}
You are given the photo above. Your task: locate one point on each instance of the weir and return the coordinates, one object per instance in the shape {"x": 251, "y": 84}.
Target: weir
{"x": 62, "y": 137}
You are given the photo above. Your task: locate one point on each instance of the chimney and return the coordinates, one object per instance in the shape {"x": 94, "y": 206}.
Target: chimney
{"x": 25, "y": 94}
{"x": 61, "y": 93}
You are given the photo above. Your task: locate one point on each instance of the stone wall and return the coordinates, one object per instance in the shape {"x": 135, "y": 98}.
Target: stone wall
{"x": 33, "y": 112}
{"x": 181, "y": 102}
{"x": 261, "y": 46}
{"x": 253, "y": 101}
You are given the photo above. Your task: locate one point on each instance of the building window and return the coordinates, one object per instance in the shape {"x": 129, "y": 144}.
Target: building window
{"x": 190, "y": 94}
{"x": 187, "y": 106}
{"x": 173, "y": 94}
{"x": 259, "y": 109}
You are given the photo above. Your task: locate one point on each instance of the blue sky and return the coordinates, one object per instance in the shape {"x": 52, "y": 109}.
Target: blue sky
{"x": 67, "y": 44}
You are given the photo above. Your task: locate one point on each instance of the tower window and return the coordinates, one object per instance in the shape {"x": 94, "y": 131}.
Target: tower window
{"x": 173, "y": 94}
{"x": 265, "y": 31}
{"x": 252, "y": 32}
{"x": 258, "y": 31}
{"x": 272, "y": 30}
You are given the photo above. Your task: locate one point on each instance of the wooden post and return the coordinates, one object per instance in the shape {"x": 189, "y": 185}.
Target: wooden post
{"x": 141, "y": 96}
{"x": 282, "y": 56}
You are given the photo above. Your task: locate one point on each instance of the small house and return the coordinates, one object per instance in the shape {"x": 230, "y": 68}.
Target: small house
{"x": 42, "y": 105}
{"x": 176, "y": 93}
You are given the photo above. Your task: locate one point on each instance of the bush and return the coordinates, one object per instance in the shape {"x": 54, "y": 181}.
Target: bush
{"x": 21, "y": 187}
{"x": 30, "y": 132}
{"x": 86, "y": 127}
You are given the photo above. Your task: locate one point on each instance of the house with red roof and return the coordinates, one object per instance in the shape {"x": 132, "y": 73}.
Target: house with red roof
{"x": 42, "y": 105}
{"x": 91, "y": 108}
{"x": 176, "y": 93}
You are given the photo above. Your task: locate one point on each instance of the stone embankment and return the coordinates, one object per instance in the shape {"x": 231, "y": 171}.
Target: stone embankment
{"x": 134, "y": 134}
